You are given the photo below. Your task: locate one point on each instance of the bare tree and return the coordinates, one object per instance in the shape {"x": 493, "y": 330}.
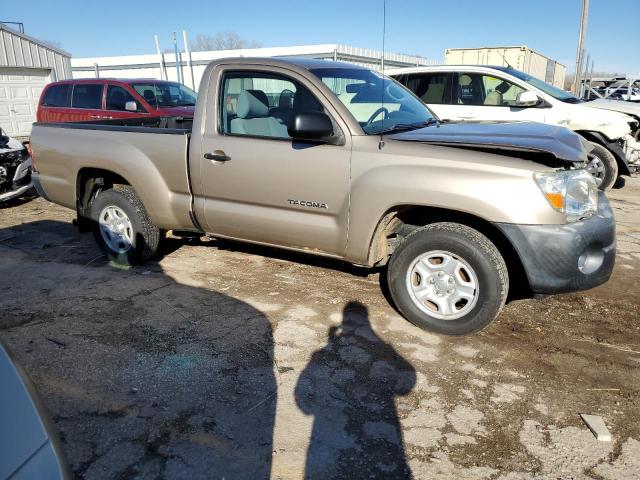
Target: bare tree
{"x": 222, "y": 41}
{"x": 203, "y": 43}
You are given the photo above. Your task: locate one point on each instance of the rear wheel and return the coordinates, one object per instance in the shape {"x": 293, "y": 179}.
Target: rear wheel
{"x": 602, "y": 165}
{"x": 448, "y": 278}
{"x": 122, "y": 227}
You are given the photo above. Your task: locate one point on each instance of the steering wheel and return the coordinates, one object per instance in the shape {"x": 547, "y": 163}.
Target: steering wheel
{"x": 376, "y": 113}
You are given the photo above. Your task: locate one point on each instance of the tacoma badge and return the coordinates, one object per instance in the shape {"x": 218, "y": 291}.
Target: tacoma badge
{"x": 306, "y": 203}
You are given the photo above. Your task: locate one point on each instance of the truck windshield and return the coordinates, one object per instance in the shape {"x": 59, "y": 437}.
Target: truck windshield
{"x": 378, "y": 103}
{"x": 165, "y": 94}
{"x": 555, "y": 92}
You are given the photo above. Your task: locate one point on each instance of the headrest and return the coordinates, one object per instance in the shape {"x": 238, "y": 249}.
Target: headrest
{"x": 148, "y": 94}
{"x": 464, "y": 80}
{"x": 286, "y": 99}
{"x": 503, "y": 87}
{"x": 304, "y": 101}
{"x": 252, "y": 104}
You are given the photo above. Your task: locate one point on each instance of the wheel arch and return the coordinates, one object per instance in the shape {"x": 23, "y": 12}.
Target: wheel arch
{"x": 397, "y": 222}
{"x": 612, "y": 146}
{"x": 90, "y": 182}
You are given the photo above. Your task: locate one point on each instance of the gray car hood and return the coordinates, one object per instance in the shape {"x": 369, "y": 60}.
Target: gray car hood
{"x": 554, "y": 140}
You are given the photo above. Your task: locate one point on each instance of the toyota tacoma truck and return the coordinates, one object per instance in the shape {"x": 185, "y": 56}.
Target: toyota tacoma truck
{"x": 337, "y": 160}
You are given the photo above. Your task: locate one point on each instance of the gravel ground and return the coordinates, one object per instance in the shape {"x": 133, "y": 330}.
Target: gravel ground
{"x": 223, "y": 360}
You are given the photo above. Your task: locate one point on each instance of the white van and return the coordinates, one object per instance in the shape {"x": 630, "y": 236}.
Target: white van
{"x": 470, "y": 93}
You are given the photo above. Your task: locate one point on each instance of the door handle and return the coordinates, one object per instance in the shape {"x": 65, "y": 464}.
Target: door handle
{"x": 218, "y": 157}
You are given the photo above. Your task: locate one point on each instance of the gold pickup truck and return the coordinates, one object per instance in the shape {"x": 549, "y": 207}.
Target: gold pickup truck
{"x": 337, "y": 160}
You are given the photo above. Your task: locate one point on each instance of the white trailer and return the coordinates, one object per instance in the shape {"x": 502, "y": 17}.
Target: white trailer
{"x": 519, "y": 57}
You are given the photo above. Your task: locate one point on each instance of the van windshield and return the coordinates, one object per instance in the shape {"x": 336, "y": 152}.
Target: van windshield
{"x": 378, "y": 103}
{"x": 165, "y": 94}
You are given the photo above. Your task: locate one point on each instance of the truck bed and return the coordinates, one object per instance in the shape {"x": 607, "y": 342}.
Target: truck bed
{"x": 162, "y": 125}
{"x": 150, "y": 154}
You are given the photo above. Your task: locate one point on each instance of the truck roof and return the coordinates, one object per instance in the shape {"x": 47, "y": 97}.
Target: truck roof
{"x": 112, "y": 79}
{"x": 303, "y": 62}
{"x": 436, "y": 68}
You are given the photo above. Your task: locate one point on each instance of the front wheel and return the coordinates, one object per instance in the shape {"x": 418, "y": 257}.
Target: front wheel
{"x": 448, "y": 278}
{"x": 122, "y": 227}
{"x": 602, "y": 165}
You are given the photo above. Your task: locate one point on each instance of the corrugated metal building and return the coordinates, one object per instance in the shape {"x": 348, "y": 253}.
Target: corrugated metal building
{"x": 26, "y": 66}
{"x": 149, "y": 66}
{"x": 519, "y": 57}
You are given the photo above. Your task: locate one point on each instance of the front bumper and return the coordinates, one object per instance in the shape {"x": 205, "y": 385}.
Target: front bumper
{"x": 18, "y": 192}
{"x": 21, "y": 182}
{"x": 566, "y": 258}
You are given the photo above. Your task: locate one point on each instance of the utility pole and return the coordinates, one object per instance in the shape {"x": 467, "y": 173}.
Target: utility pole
{"x": 581, "y": 42}
{"x": 189, "y": 61}
{"x": 163, "y": 67}
{"x": 178, "y": 63}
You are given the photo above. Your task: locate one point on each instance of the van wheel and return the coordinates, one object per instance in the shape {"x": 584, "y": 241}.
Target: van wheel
{"x": 602, "y": 165}
{"x": 122, "y": 227}
{"x": 448, "y": 278}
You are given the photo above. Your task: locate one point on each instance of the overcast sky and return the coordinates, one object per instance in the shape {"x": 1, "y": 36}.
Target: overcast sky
{"x": 426, "y": 27}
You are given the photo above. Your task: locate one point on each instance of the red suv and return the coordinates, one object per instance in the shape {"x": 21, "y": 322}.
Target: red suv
{"x": 105, "y": 98}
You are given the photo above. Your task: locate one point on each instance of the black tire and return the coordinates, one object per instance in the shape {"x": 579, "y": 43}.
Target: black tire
{"x": 146, "y": 236}
{"x": 467, "y": 244}
{"x": 610, "y": 174}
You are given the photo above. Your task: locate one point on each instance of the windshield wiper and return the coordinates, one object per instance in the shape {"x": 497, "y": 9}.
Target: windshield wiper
{"x": 403, "y": 127}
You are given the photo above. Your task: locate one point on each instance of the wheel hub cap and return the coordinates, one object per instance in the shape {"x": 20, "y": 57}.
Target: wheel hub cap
{"x": 116, "y": 228}
{"x": 442, "y": 285}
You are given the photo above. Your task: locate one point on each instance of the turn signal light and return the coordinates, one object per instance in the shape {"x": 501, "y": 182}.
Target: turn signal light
{"x": 555, "y": 199}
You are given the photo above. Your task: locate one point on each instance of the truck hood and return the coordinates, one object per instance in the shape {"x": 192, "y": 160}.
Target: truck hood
{"x": 538, "y": 138}
{"x": 615, "y": 105}
{"x": 613, "y": 125}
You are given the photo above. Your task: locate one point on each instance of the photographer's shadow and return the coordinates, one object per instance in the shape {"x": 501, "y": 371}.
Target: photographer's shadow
{"x": 349, "y": 386}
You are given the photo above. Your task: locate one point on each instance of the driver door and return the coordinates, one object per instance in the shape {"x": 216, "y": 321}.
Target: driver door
{"x": 259, "y": 184}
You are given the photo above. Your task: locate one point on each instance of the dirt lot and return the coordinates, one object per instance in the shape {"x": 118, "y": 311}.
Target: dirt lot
{"x": 228, "y": 361}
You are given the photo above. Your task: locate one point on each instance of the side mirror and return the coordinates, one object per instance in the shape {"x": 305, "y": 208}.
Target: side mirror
{"x": 527, "y": 99}
{"x": 310, "y": 126}
{"x": 131, "y": 106}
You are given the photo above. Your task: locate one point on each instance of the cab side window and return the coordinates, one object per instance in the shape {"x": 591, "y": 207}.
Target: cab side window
{"x": 431, "y": 88}
{"x": 87, "y": 95}
{"x": 485, "y": 90}
{"x": 261, "y": 104}
{"x": 58, "y": 96}
{"x": 117, "y": 98}
{"x": 469, "y": 89}
{"x": 499, "y": 92}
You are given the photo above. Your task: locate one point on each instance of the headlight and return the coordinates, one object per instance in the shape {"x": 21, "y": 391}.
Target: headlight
{"x": 572, "y": 192}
